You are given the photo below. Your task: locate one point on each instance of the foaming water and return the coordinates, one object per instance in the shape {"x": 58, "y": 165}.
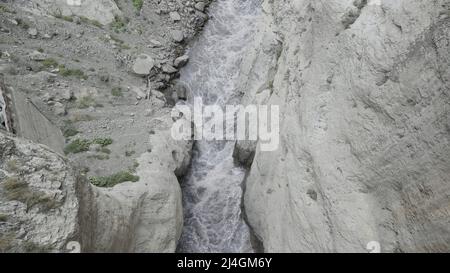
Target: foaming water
{"x": 212, "y": 189}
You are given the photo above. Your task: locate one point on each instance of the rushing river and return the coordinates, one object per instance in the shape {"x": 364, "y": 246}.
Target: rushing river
{"x": 212, "y": 190}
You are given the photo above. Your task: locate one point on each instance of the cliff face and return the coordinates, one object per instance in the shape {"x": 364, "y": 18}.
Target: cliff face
{"x": 363, "y": 89}
{"x": 45, "y": 203}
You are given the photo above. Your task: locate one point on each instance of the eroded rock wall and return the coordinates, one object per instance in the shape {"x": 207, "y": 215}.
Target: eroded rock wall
{"x": 363, "y": 89}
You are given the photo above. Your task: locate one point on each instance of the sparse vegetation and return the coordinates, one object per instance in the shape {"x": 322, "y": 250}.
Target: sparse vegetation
{"x": 82, "y": 145}
{"x": 91, "y": 22}
{"x": 119, "y": 24}
{"x": 70, "y": 131}
{"x": 50, "y": 62}
{"x": 103, "y": 141}
{"x": 111, "y": 181}
{"x": 119, "y": 42}
{"x": 117, "y": 92}
{"x": 5, "y": 9}
{"x": 65, "y": 72}
{"x": 77, "y": 146}
{"x": 129, "y": 153}
{"x": 138, "y": 4}
{"x": 20, "y": 191}
{"x": 86, "y": 102}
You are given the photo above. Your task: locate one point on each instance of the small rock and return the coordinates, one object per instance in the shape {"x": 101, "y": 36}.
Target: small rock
{"x": 200, "y": 6}
{"x": 167, "y": 68}
{"x": 181, "y": 61}
{"x": 38, "y": 56}
{"x": 67, "y": 94}
{"x": 143, "y": 65}
{"x": 175, "y": 16}
{"x": 177, "y": 36}
{"x": 60, "y": 109}
{"x": 155, "y": 43}
{"x": 33, "y": 32}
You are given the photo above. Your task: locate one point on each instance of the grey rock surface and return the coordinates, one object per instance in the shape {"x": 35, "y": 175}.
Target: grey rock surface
{"x": 363, "y": 89}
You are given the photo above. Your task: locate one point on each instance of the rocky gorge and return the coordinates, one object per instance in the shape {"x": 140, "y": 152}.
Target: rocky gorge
{"x": 86, "y": 153}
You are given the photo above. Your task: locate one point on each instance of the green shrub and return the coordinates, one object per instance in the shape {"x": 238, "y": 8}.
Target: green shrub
{"x": 138, "y": 4}
{"x": 47, "y": 63}
{"x": 129, "y": 153}
{"x": 112, "y": 180}
{"x": 82, "y": 145}
{"x": 65, "y": 72}
{"x": 103, "y": 141}
{"x": 119, "y": 24}
{"x": 117, "y": 92}
{"x": 70, "y": 132}
{"x": 77, "y": 146}
{"x": 86, "y": 102}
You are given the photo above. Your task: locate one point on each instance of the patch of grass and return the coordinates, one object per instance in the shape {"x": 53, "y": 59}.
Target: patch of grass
{"x": 117, "y": 92}
{"x": 119, "y": 42}
{"x": 112, "y": 180}
{"x": 138, "y": 4}
{"x": 103, "y": 141}
{"x": 65, "y": 72}
{"x": 82, "y": 145}
{"x": 91, "y": 22}
{"x": 50, "y": 62}
{"x": 20, "y": 191}
{"x": 86, "y": 102}
{"x": 77, "y": 146}
{"x": 70, "y": 132}
{"x": 119, "y": 24}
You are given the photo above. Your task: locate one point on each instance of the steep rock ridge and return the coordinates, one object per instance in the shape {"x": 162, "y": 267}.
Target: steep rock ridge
{"x": 363, "y": 89}
{"x": 145, "y": 216}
